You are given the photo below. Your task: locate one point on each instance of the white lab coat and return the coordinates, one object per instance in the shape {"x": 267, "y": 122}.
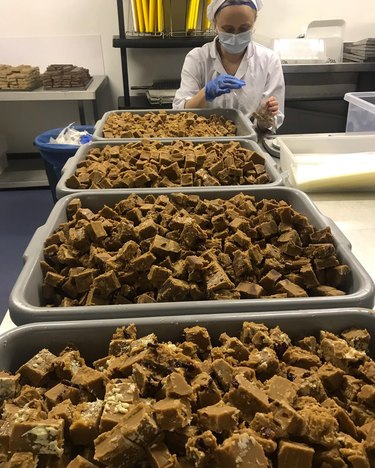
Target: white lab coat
{"x": 260, "y": 68}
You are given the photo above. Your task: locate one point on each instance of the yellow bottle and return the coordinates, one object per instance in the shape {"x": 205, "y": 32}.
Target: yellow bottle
{"x": 141, "y": 24}
{"x": 151, "y": 19}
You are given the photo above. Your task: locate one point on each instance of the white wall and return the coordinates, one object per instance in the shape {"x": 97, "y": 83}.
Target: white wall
{"x": 46, "y": 18}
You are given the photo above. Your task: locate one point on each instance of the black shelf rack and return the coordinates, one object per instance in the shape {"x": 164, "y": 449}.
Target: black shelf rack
{"x": 124, "y": 42}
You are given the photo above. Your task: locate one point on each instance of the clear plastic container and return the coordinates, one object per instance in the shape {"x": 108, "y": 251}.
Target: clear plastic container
{"x": 300, "y": 50}
{"x": 332, "y": 32}
{"x": 361, "y": 112}
{"x": 328, "y": 162}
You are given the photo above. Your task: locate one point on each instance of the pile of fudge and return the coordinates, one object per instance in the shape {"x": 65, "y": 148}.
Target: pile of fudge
{"x": 153, "y": 164}
{"x": 65, "y": 76}
{"x": 163, "y": 125}
{"x": 254, "y": 401}
{"x": 22, "y": 77}
{"x": 180, "y": 247}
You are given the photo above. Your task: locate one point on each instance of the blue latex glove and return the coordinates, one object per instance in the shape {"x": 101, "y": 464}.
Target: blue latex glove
{"x": 221, "y": 85}
{"x": 85, "y": 139}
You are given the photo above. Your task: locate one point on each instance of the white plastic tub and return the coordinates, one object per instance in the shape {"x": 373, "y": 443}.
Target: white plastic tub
{"x": 328, "y": 162}
{"x": 361, "y": 112}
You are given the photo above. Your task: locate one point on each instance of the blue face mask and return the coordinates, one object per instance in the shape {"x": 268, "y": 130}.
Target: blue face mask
{"x": 235, "y": 43}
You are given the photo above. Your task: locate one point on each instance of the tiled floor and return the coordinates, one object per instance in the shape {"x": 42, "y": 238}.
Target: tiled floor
{"x": 21, "y": 212}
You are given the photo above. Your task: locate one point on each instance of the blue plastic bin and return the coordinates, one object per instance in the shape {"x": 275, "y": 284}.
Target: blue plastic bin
{"x": 55, "y": 156}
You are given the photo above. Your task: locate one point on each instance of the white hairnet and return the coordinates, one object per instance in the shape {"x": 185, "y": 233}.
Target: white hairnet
{"x": 216, "y": 4}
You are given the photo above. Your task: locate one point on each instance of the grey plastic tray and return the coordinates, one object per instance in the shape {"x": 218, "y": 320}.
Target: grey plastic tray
{"x": 243, "y": 124}
{"x": 71, "y": 166}
{"x": 92, "y": 337}
{"x": 25, "y": 301}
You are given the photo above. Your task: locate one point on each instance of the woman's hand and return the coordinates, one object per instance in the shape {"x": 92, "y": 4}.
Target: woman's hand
{"x": 266, "y": 113}
{"x": 222, "y": 84}
{"x": 271, "y": 106}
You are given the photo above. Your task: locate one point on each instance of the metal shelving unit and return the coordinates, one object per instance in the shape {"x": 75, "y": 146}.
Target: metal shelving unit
{"x": 124, "y": 42}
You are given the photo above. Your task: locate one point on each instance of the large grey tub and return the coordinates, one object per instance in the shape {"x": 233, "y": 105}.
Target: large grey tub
{"x": 25, "y": 300}
{"x": 242, "y": 123}
{"x": 92, "y": 337}
{"x": 71, "y": 166}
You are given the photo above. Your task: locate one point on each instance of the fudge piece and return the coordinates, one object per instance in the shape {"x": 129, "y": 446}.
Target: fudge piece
{"x": 9, "y": 385}
{"x": 37, "y": 370}
{"x": 216, "y": 278}
{"x": 291, "y": 289}
{"x": 200, "y": 448}
{"x": 287, "y": 419}
{"x": 67, "y": 364}
{"x": 337, "y": 351}
{"x": 358, "y": 339}
{"x": 113, "y": 449}
{"x": 329, "y": 458}
{"x": 200, "y": 337}
{"x": 61, "y": 392}
{"x": 28, "y": 394}
{"x": 345, "y": 423}
{"x": 218, "y": 418}
{"x": 91, "y": 380}
{"x": 331, "y": 377}
{"x": 158, "y": 275}
{"x": 106, "y": 283}
{"x": 299, "y": 357}
{"x": 281, "y": 389}
{"x": 241, "y": 450}
{"x": 96, "y": 230}
{"x": 205, "y": 390}
{"x": 171, "y": 414}
{"x": 176, "y": 386}
{"x": 123, "y": 444}
{"x": 366, "y": 396}
{"x": 173, "y": 290}
{"x": 353, "y": 452}
{"x": 63, "y": 410}
{"x": 234, "y": 347}
{"x": 85, "y": 424}
{"x": 120, "y": 395}
{"x": 80, "y": 462}
{"x": 247, "y": 397}
{"x": 264, "y": 362}
{"x": 160, "y": 457}
{"x": 22, "y": 460}
{"x": 223, "y": 372}
{"x": 320, "y": 427}
{"x": 294, "y": 455}
{"x": 162, "y": 247}
{"x": 250, "y": 290}
{"x": 39, "y": 437}
{"x": 367, "y": 371}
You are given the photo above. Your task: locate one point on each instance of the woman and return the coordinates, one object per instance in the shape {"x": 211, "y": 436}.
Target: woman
{"x": 233, "y": 71}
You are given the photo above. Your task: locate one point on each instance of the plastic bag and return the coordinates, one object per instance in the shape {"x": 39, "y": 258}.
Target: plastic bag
{"x": 71, "y": 136}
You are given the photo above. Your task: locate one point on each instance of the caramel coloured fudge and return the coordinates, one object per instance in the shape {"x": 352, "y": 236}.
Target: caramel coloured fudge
{"x": 198, "y": 164}
{"x": 259, "y": 399}
{"x": 164, "y": 124}
{"x": 182, "y": 247}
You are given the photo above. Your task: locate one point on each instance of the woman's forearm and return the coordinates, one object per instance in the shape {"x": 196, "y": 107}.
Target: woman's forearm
{"x": 198, "y": 101}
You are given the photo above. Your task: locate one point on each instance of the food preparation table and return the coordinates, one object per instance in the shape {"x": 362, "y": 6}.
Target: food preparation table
{"x": 354, "y": 215}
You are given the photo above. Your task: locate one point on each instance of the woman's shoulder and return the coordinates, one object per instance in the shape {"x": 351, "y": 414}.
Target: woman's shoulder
{"x": 201, "y": 52}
